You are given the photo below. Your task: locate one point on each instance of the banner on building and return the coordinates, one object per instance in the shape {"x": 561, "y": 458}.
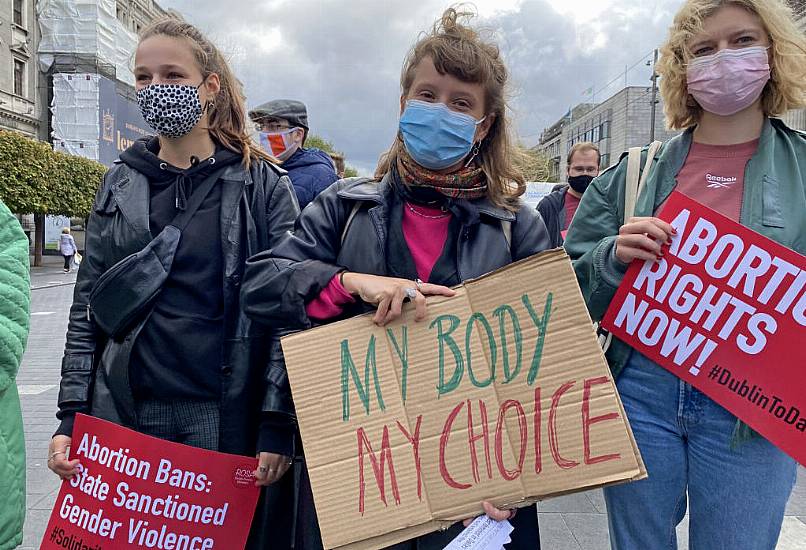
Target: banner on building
{"x": 725, "y": 310}
{"x": 501, "y": 394}
{"x": 137, "y": 491}
{"x": 119, "y": 120}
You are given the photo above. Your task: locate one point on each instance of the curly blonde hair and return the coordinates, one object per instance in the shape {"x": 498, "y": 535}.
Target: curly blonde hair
{"x": 786, "y": 88}
{"x": 458, "y": 50}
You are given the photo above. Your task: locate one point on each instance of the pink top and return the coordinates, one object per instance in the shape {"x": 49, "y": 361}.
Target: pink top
{"x": 571, "y": 205}
{"x": 425, "y": 230}
{"x": 714, "y": 176}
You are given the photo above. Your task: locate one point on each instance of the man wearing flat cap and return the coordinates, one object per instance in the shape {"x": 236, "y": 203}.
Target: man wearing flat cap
{"x": 283, "y": 130}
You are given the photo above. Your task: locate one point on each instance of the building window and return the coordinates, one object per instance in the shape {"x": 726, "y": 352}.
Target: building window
{"x": 19, "y": 77}
{"x": 19, "y": 12}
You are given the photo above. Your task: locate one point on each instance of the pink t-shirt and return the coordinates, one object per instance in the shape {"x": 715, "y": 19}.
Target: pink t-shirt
{"x": 425, "y": 230}
{"x": 571, "y": 205}
{"x": 713, "y": 175}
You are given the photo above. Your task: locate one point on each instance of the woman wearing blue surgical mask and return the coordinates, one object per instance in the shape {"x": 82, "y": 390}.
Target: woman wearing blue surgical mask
{"x": 727, "y": 67}
{"x": 191, "y": 368}
{"x": 443, "y": 208}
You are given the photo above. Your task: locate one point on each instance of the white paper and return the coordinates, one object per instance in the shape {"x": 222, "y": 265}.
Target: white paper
{"x": 483, "y": 534}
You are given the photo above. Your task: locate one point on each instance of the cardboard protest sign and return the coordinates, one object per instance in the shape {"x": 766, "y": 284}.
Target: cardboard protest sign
{"x": 137, "y": 491}
{"x": 725, "y": 310}
{"x": 502, "y": 393}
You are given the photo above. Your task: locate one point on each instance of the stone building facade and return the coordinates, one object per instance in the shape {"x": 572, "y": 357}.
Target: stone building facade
{"x": 138, "y": 14}
{"x": 19, "y": 76}
{"x": 614, "y": 125}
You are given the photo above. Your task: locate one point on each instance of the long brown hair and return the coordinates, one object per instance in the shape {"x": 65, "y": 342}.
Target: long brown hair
{"x": 227, "y": 119}
{"x": 458, "y": 50}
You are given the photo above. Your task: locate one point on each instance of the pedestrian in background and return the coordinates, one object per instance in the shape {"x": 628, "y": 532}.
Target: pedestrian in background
{"x": 193, "y": 368}
{"x": 15, "y": 288}
{"x": 727, "y": 67}
{"x": 283, "y": 130}
{"x": 558, "y": 207}
{"x": 67, "y": 248}
{"x": 447, "y": 197}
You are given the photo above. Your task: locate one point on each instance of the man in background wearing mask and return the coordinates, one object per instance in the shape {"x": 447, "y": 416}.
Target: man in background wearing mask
{"x": 558, "y": 207}
{"x": 283, "y": 129}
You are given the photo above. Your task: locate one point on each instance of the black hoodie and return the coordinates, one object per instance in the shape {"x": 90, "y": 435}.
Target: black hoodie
{"x": 178, "y": 354}
{"x": 552, "y": 210}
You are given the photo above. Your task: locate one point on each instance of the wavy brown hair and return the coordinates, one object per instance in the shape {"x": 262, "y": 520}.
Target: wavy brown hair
{"x": 458, "y": 50}
{"x": 786, "y": 88}
{"x": 227, "y": 119}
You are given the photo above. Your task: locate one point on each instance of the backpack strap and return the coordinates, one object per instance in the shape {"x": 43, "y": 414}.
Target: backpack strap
{"x": 636, "y": 177}
{"x": 631, "y": 183}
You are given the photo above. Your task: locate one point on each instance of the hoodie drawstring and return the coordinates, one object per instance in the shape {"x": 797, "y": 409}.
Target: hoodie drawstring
{"x": 183, "y": 183}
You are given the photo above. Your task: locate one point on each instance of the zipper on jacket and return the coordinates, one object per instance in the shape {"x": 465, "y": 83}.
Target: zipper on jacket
{"x": 89, "y": 317}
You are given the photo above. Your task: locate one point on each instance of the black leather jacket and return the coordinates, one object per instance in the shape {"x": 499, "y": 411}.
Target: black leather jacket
{"x": 280, "y": 282}
{"x": 258, "y": 207}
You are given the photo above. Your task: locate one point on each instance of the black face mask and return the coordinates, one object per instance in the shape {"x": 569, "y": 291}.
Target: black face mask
{"x": 579, "y": 183}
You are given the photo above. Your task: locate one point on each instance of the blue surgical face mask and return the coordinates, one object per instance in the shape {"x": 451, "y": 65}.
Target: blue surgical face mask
{"x": 434, "y": 136}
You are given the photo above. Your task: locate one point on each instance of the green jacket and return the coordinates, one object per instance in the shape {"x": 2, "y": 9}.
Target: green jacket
{"x": 14, "y": 314}
{"x": 774, "y": 204}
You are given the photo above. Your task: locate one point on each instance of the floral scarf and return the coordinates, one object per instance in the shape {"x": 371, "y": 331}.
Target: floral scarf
{"x": 468, "y": 182}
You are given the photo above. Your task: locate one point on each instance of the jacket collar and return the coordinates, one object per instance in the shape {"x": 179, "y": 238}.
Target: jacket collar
{"x": 131, "y": 194}
{"x": 370, "y": 190}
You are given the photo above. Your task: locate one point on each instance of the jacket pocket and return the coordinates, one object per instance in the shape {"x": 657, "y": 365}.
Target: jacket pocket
{"x": 772, "y": 206}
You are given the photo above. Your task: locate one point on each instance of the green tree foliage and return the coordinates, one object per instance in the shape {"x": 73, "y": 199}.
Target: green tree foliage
{"x": 318, "y": 142}
{"x": 533, "y": 164}
{"x": 35, "y": 179}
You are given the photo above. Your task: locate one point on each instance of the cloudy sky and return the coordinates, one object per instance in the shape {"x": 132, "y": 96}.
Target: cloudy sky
{"x": 343, "y": 57}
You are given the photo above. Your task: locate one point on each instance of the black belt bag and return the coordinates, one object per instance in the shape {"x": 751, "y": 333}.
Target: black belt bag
{"x": 124, "y": 293}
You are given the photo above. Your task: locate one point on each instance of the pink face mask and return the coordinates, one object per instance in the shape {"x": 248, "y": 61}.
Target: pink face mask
{"x": 730, "y": 80}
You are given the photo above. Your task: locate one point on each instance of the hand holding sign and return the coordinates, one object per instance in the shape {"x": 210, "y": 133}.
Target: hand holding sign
{"x": 270, "y": 468}
{"x": 389, "y": 293}
{"x": 725, "y": 310}
{"x": 58, "y": 460}
{"x": 641, "y": 239}
{"x": 136, "y": 491}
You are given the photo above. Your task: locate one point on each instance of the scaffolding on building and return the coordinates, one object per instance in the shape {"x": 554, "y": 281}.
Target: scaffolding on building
{"x": 81, "y": 41}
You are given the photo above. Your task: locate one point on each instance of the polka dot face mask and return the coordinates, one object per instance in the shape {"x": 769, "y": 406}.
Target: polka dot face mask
{"x": 172, "y": 110}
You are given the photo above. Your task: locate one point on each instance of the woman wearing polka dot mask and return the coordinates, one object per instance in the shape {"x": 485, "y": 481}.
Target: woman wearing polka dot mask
{"x": 198, "y": 369}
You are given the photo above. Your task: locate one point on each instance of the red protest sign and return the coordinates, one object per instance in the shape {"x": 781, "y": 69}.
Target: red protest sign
{"x": 137, "y": 491}
{"x": 724, "y": 310}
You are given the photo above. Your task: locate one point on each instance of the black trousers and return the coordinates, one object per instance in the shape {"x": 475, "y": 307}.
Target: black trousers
{"x": 526, "y": 535}
{"x": 67, "y": 260}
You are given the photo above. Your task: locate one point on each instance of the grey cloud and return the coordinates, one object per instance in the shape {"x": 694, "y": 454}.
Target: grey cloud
{"x": 343, "y": 58}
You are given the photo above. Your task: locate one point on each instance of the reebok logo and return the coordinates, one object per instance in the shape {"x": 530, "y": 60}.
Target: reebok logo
{"x": 719, "y": 182}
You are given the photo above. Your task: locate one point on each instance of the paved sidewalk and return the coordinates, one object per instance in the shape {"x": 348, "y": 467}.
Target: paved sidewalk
{"x": 51, "y": 273}
{"x": 574, "y": 522}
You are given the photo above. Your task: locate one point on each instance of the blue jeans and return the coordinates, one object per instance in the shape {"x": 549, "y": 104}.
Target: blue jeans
{"x": 736, "y": 496}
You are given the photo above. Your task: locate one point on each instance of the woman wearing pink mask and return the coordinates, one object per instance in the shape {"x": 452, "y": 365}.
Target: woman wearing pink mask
{"x": 726, "y": 69}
